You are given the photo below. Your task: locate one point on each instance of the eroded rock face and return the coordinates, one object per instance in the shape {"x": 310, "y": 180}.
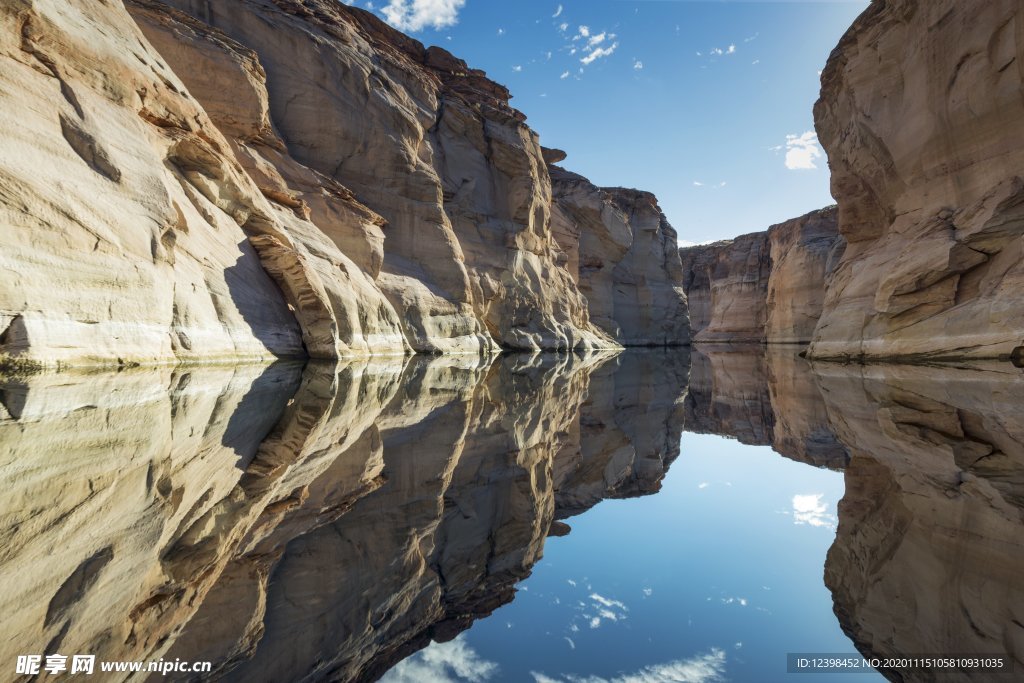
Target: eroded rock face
{"x": 434, "y": 148}
{"x": 922, "y": 144}
{"x": 177, "y": 192}
{"x": 624, "y": 255}
{"x": 765, "y": 286}
{"x": 125, "y": 218}
{"x": 804, "y": 253}
{"x": 931, "y": 532}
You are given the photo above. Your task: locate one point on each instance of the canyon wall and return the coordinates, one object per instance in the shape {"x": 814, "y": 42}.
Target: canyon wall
{"x": 763, "y": 286}
{"x": 624, "y": 255}
{"x": 921, "y": 117}
{"x": 264, "y": 179}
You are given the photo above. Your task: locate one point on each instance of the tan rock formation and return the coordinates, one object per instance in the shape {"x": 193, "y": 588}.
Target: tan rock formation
{"x": 765, "y": 286}
{"x": 625, "y": 256}
{"x": 172, "y": 194}
{"x": 804, "y": 252}
{"x": 921, "y": 117}
{"x": 931, "y": 533}
{"x": 433, "y": 147}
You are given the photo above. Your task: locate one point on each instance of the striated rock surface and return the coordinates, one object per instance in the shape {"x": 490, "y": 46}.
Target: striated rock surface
{"x": 804, "y": 252}
{"x": 261, "y": 179}
{"x": 931, "y": 529}
{"x": 624, "y": 255}
{"x": 921, "y": 117}
{"x": 765, "y": 286}
{"x": 732, "y": 292}
{"x": 434, "y": 148}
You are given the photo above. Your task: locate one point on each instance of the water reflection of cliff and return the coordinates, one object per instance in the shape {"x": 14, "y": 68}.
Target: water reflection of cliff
{"x": 317, "y": 523}
{"x": 322, "y": 523}
{"x": 929, "y": 554}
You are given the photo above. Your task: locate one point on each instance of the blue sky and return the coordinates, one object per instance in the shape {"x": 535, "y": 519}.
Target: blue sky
{"x": 705, "y": 103}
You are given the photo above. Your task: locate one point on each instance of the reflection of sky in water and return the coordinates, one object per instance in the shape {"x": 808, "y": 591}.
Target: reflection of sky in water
{"x": 715, "y": 578}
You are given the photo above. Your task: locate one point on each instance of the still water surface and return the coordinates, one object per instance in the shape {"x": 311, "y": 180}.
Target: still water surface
{"x": 651, "y": 516}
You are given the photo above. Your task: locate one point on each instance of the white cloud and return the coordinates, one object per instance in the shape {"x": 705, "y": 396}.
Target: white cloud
{"x": 731, "y": 50}
{"x": 697, "y": 183}
{"x": 569, "y": 581}
{"x": 595, "y": 622}
{"x": 802, "y": 150}
{"x": 444, "y": 663}
{"x": 565, "y": 75}
{"x": 607, "y": 602}
{"x": 584, "y": 32}
{"x": 415, "y": 15}
{"x": 638, "y": 65}
{"x": 563, "y": 27}
{"x": 501, "y": 31}
{"x": 597, "y": 40}
{"x": 558, "y": 12}
{"x": 571, "y": 643}
{"x": 648, "y": 592}
{"x": 706, "y": 668}
{"x": 716, "y": 51}
{"x": 517, "y": 68}
{"x": 811, "y": 509}
{"x": 703, "y": 485}
{"x": 756, "y": 61}
{"x": 598, "y": 53}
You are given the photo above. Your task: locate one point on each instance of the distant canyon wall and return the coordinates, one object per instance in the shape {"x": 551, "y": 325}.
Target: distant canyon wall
{"x": 764, "y": 286}
{"x": 922, "y": 260}
{"x": 204, "y": 179}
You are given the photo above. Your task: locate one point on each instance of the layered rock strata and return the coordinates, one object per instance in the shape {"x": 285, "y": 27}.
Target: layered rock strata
{"x": 764, "y": 286}
{"x": 623, "y": 253}
{"x": 198, "y": 180}
{"x": 921, "y": 116}
{"x": 434, "y": 148}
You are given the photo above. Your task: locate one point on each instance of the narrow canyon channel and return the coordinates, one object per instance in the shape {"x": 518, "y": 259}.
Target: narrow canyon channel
{"x": 685, "y": 515}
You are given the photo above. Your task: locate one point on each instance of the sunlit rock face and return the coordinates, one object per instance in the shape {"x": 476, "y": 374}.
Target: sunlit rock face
{"x": 305, "y": 182}
{"x": 765, "y": 286}
{"x": 126, "y": 220}
{"x": 434, "y": 148}
{"x": 318, "y": 523}
{"x": 624, "y": 254}
{"x": 931, "y": 533}
{"x": 921, "y": 117}
{"x": 761, "y": 397}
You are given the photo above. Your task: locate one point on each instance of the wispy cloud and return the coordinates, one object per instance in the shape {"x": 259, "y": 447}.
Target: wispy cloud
{"x": 501, "y": 31}
{"x": 565, "y": 75}
{"x": 415, "y": 15}
{"x": 444, "y": 663}
{"x": 706, "y": 668}
{"x": 638, "y": 65}
{"x": 598, "y": 53}
{"x": 811, "y": 509}
{"x": 802, "y": 151}
{"x": 517, "y": 68}
{"x": 558, "y": 13}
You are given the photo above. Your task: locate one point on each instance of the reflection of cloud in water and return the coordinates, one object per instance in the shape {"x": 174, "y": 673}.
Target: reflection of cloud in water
{"x": 811, "y": 509}
{"x": 451, "y": 662}
{"x": 704, "y": 668}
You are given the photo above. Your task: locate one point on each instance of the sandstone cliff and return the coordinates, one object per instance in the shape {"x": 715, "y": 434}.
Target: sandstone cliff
{"x": 764, "y": 286}
{"x": 429, "y": 144}
{"x": 921, "y": 117}
{"x": 624, "y": 255}
{"x": 199, "y": 179}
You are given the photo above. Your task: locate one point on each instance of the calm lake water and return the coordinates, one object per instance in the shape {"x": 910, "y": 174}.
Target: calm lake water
{"x": 689, "y": 515}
